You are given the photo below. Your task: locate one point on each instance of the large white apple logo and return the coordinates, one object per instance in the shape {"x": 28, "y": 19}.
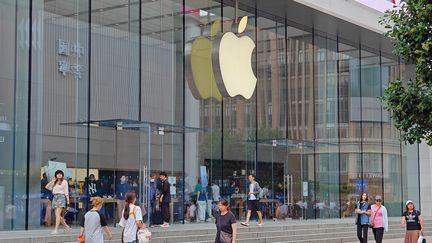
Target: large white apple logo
{"x": 232, "y": 63}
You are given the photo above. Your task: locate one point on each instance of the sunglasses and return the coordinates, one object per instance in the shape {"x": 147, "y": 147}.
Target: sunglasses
{"x": 378, "y": 200}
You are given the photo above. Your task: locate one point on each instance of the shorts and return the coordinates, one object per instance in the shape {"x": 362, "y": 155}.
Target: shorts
{"x": 253, "y": 205}
{"x": 59, "y": 201}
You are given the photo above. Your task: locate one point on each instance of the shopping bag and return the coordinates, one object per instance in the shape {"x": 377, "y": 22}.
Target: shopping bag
{"x": 421, "y": 239}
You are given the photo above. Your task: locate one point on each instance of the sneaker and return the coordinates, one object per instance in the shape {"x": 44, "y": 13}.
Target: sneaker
{"x": 244, "y": 224}
{"x": 165, "y": 225}
{"x": 54, "y": 232}
{"x": 66, "y": 229}
{"x": 260, "y": 224}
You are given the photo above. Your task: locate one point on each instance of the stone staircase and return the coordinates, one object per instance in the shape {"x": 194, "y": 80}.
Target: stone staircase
{"x": 299, "y": 231}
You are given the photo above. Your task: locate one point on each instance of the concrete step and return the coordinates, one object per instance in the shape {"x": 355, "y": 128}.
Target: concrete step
{"x": 282, "y": 231}
{"x": 316, "y": 237}
{"x": 339, "y": 235}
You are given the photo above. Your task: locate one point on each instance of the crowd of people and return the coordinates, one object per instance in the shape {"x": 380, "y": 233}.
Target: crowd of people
{"x": 93, "y": 223}
{"x": 131, "y": 218}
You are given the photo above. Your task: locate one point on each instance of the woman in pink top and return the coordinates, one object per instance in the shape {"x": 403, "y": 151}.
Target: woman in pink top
{"x": 60, "y": 190}
{"x": 378, "y": 219}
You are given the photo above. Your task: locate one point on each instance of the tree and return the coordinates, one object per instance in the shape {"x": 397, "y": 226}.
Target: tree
{"x": 410, "y": 101}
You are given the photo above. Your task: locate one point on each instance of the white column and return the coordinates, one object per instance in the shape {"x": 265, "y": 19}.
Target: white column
{"x": 425, "y": 153}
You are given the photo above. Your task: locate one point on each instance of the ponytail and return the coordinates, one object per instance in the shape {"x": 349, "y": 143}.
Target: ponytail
{"x": 126, "y": 211}
{"x": 130, "y": 198}
{"x": 225, "y": 203}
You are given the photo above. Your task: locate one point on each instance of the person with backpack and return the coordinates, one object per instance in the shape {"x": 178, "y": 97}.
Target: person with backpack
{"x": 225, "y": 224}
{"x": 253, "y": 201}
{"x": 93, "y": 223}
{"x": 413, "y": 221}
{"x": 131, "y": 220}
{"x": 379, "y": 219}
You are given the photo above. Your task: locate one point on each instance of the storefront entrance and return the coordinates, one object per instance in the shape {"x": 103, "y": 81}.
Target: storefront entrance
{"x": 128, "y": 155}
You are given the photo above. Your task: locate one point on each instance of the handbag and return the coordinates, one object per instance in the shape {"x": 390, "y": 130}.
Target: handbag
{"x": 421, "y": 239}
{"x": 371, "y": 223}
{"x": 143, "y": 235}
{"x": 224, "y": 237}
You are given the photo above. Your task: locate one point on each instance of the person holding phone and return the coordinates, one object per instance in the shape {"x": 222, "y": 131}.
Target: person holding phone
{"x": 60, "y": 190}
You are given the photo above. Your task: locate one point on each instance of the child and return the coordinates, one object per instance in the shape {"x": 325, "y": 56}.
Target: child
{"x": 192, "y": 211}
{"x": 93, "y": 223}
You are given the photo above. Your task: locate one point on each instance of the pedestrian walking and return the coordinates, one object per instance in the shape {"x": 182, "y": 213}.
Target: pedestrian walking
{"x": 413, "y": 221}
{"x": 363, "y": 211}
{"x": 60, "y": 190}
{"x": 131, "y": 219}
{"x": 225, "y": 224}
{"x": 93, "y": 223}
{"x": 379, "y": 219}
{"x": 253, "y": 201}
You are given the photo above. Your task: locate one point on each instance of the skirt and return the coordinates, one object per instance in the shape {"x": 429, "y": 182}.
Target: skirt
{"x": 59, "y": 201}
{"x": 411, "y": 236}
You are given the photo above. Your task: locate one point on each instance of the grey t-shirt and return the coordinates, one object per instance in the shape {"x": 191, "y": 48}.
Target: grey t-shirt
{"x": 93, "y": 222}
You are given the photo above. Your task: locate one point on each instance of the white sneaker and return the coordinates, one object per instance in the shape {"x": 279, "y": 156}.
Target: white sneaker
{"x": 165, "y": 225}
{"x": 244, "y": 224}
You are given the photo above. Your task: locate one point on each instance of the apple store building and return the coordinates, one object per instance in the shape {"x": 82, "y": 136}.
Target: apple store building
{"x": 113, "y": 92}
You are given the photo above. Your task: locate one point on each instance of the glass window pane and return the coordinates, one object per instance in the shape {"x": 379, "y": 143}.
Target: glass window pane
{"x": 14, "y": 87}
{"x": 326, "y": 127}
{"x": 349, "y": 127}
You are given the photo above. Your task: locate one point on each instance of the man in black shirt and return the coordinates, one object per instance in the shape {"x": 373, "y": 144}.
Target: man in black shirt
{"x": 165, "y": 198}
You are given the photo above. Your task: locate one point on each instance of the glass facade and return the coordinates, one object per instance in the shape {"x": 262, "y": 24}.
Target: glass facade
{"x": 107, "y": 88}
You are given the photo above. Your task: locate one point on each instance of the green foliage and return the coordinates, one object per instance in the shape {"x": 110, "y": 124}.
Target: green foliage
{"x": 410, "y": 101}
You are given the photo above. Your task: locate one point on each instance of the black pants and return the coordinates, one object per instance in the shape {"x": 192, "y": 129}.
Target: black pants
{"x": 378, "y": 234}
{"x": 165, "y": 212}
{"x": 362, "y": 232}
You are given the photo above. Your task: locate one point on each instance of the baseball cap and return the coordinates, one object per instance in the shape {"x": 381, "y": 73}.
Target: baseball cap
{"x": 408, "y": 202}
{"x": 378, "y": 197}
